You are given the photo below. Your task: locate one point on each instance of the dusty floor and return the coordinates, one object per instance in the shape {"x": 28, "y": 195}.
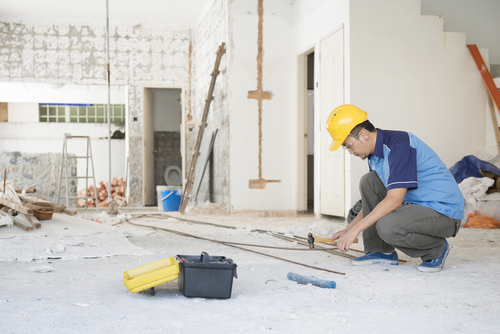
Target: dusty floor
{"x": 67, "y": 277}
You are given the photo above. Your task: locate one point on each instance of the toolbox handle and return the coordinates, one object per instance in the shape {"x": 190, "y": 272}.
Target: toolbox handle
{"x": 204, "y": 258}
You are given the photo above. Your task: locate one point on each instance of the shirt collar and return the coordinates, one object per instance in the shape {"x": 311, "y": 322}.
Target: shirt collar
{"x": 379, "y": 144}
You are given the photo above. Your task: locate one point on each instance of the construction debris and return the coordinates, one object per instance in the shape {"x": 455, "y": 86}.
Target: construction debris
{"x": 44, "y": 210}
{"x": 477, "y": 220}
{"x": 118, "y": 187}
{"x": 25, "y": 211}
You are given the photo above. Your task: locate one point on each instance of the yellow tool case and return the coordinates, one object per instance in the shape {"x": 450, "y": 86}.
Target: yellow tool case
{"x": 150, "y": 275}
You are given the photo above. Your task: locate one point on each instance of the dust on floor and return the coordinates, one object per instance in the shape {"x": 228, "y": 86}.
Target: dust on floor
{"x": 67, "y": 277}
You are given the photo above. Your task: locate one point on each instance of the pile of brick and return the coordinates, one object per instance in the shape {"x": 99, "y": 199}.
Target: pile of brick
{"x": 117, "y": 193}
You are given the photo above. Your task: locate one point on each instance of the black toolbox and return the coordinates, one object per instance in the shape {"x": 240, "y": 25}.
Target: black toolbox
{"x": 206, "y": 276}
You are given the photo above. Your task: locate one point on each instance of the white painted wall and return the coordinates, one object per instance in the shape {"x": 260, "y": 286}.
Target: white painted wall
{"x": 279, "y": 124}
{"x": 410, "y": 75}
{"x": 167, "y": 109}
{"x": 316, "y": 19}
{"x": 59, "y": 93}
{"x": 25, "y": 134}
{"x": 477, "y": 18}
{"x": 23, "y": 112}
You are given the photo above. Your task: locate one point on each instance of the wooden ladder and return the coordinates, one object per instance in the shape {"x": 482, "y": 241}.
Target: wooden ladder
{"x": 494, "y": 94}
{"x": 192, "y": 167}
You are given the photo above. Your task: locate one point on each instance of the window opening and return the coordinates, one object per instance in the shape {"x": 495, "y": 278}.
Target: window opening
{"x": 80, "y": 113}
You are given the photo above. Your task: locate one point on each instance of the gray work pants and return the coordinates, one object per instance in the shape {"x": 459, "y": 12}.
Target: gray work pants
{"x": 416, "y": 230}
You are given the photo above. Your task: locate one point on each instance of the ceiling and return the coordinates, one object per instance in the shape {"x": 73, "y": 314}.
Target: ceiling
{"x": 169, "y": 12}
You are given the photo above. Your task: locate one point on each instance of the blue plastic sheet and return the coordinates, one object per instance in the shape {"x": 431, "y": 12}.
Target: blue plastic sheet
{"x": 470, "y": 166}
{"x": 311, "y": 279}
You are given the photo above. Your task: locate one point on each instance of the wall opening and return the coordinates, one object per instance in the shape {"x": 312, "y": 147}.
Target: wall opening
{"x": 310, "y": 132}
{"x": 39, "y": 114}
{"x": 162, "y": 126}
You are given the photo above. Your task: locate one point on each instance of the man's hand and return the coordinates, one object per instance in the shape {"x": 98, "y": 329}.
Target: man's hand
{"x": 338, "y": 234}
{"x": 346, "y": 240}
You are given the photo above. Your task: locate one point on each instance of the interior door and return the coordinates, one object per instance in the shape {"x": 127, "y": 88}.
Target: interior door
{"x": 148, "y": 168}
{"x": 331, "y": 87}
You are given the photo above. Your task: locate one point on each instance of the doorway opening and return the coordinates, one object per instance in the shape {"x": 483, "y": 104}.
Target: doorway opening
{"x": 310, "y": 132}
{"x": 162, "y": 142}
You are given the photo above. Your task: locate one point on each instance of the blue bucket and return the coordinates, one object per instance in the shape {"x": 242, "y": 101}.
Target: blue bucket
{"x": 171, "y": 199}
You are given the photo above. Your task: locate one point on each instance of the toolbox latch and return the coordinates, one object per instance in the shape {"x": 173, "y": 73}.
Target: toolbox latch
{"x": 204, "y": 258}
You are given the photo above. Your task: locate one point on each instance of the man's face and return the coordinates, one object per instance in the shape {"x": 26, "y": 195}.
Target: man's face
{"x": 355, "y": 146}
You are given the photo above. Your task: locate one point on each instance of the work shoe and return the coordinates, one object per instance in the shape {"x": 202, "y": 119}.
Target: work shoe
{"x": 435, "y": 265}
{"x": 374, "y": 258}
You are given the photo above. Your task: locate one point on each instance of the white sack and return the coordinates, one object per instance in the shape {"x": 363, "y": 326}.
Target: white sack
{"x": 474, "y": 189}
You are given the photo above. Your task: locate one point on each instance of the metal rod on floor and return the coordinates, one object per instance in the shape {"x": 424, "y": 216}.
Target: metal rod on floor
{"x": 319, "y": 248}
{"x": 296, "y": 237}
{"x": 234, "y": 246}
{"x": 109, "y": 101}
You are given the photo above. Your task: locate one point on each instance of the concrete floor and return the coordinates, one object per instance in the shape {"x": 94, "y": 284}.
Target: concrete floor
{"x": 80, "y": 289}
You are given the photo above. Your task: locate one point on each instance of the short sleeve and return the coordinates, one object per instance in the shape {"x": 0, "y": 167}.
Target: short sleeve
{"x": 402, "y": 167}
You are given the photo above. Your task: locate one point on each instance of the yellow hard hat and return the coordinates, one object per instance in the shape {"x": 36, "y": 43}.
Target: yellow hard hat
{"x": 341, "y": 122}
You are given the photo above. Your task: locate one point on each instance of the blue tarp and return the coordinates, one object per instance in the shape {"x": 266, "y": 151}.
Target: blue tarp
{"x": 469, "y": 166}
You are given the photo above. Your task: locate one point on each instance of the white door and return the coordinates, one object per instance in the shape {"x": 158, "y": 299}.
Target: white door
{"x": 331, "y": 87}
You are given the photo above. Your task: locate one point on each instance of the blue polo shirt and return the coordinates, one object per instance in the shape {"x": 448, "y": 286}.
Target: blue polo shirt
{"x": 401, "y": 160}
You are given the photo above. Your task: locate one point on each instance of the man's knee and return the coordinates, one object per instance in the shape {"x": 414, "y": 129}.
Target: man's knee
{"x": 371, "y": 183}
{"x": 368, "y": 179}
{"x": 387, "y": 230}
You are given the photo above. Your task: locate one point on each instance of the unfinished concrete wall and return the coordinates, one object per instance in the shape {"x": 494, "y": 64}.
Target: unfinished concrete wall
{"x": 37, "y": 170}
{"x": 40, "y": 138}
{"x": 210, "y": 33}
{"x": 140, "y": 56}
{"x": 409, "y": 74}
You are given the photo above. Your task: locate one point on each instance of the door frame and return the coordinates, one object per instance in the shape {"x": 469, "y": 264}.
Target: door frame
{"x": 318, "y": 144}
{"x": 302, "y": 134}
{"x": 149, "y": 123}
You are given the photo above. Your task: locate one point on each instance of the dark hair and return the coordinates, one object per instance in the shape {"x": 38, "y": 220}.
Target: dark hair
{"x": 365, "y": 125}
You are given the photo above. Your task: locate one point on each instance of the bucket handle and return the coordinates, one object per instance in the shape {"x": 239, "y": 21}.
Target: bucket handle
{"x": 167, "y": 196}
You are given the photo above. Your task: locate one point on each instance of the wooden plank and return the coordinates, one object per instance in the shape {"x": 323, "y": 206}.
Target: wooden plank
{"x": 29, "y": 190}
{"x": 22, "y": 224}
{"x": 6, "y": 183}
{"x": 17, "y": 207}
{"x": 4, "y": 112}
{"x": 29, "y": 199}
{"x": 69, "y": 212}
{"x": 494, "y": 121}
{"x": 33, "y": 221}
{"x": 12, "y": 194}
{"x": 483, "y": 70}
